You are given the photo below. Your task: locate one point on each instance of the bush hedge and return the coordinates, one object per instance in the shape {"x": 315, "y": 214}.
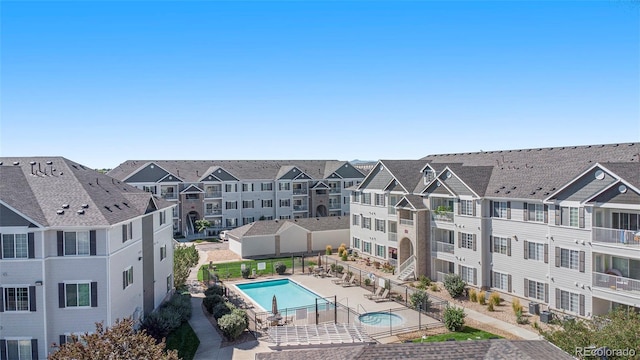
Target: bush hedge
{"x": 454, "y": 318}
{"x": 232, "y": 325}
{"x": 280, "y": 267}
{"x": 214, "y": 290}
{"x": 210, "y": 302}
{"x": 454, "y": 285}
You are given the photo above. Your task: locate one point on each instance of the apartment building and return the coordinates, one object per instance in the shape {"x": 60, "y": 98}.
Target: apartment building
{"x": 77, "y": 247}
{"x": 558, "y": 226}
{"x": 232, "y": 193}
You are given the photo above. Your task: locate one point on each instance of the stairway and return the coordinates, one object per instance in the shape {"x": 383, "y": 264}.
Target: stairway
{"x": 408, "y": 273}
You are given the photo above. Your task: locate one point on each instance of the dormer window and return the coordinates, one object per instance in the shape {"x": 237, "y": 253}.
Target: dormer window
{"x": 428, "y": 175}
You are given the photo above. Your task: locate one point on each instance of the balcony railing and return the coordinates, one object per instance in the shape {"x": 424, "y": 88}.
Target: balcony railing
{"x": 300, "y": 208}
{"x": 169, "y": 195}
{"x": 616, "y": 237}
{"x": 617, "y": 283}
{"x": 300, "y": 191}
{"x": 334, "y": 206}
{"x": 213, "y": 212}
{"x": 443, "y": 216}
{"x": 406, "y": 222}
{"x": 213, "y": 194}
{"x": 335, "y": 191}
{"x": 438, "y": 246}
{"x": 393, "y": 236}
{"x": 440, "y": 276}
{"x": 392, "y": 210}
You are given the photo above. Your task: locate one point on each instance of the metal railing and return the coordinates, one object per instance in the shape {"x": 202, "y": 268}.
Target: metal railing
{"x": 300, "y": 191}
{"x": 169, "y": 195}
{"x": 334, "y": 206}
{"x": 617, "y": 283}
{"x": 392, "y": 210}
{"x": 406, "y": 222}
{"x": 213, "y": 194}
{"x": 213, "y": 212}
{"x": 335, "y": 191}
{"x": 440, "y": 276}
{"x": 438, "y": 246}
{"x": 444, "y": 216}
{"x": 393, "y": 236}
{"x": 407, "y": 263}
{"x": 300, "y": 207}
{"x": 614, "y": 236}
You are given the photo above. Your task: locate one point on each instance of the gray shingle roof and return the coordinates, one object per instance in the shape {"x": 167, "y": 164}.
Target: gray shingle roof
{"x": 629, "y": 171}
{"x": 193, "y": 170}
{"x": 40, "y": 190}
{"x": 406, "y": 172}
{"x": 271, "y": 227}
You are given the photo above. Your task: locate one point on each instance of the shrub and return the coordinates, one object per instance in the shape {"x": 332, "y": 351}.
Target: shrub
{"x": 214, "y": 290}
{"x": 482, "y": 298}
{"x": 490, "y": 307}
{"x": 343, "y": 245}
{"x": 420, "y": 299}
{"x": 280, "y": 268}
{"x": 232, "y": 325}
{"x": 473, "y": 296}
{"x": 454, "y": 285}
{"x": 516, "y": 306}
{"x": 341, "y": 250}
{"x": 367, "y": 281}
{"x": 243, "y": 314}
{"x": 339, "y": 268}
{"x": 333, "y": 267}
{"x": 434, "y": 287}
{"x": 328, "y": 250}
{"x": 454, "y": 318}
{"x": 160, "y": 323}
{"x": 210, "y": 302}
{"x": 345, "y": 256}
{"x": 425, "y": 282}
{"x": 222, "y": 309}
{"x": 181, "y": 305}
{"x": 520, "y": 319}
{"x": 245, "y": 272}
{"x": 494, "y": 299}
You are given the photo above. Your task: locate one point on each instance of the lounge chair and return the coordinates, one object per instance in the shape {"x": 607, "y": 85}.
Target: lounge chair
{"x": 375, "y": 293}
{"x": 383, "y": 297}
{"x": 341, "y": 280}
{"x": 351, "y": 282}
{"x": 328, "y": 273}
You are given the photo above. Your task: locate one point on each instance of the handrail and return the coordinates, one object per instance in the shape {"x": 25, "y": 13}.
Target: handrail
{"x": 406, "y": 263}
{"x": 358, "y": 309}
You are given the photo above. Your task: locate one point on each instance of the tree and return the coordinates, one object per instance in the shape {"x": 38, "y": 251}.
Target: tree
{"x": 119, "y": 341}
{"x": 202, "y": 224}
{"x": 184, "y": 258}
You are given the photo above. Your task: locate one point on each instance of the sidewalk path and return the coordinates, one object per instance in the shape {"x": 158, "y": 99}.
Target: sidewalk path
{"x": 209, "y": 338}
{"x": 502, "y": 325}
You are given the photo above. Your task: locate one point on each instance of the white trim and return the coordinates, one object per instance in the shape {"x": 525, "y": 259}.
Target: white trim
{"x": 170, "y": 174}
{"x": 360, "y": 186}
{"x": 459, "y": 178}
{"x": 23, "y": 215}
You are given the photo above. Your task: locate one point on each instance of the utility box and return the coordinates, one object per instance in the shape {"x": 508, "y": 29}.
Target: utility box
{"x": 534, "y": 308}
{"x": 546, "y": 317}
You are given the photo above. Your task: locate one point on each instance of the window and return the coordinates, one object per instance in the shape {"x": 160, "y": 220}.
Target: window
{"x": 268, "y": 217}
{"x": 230, "y": 187}
{"x": 535, "y": 251}
{"x": 466, "y": 207}
{"x": 380, "y": 200}
{"x": 355, "y": 197}
{"x": 499, "y": 209}
{"x": 625, "y": 221}
{"x": 248, "y": 220}
{"x": 379, "y": 225}
{"x": 19, "y": 349}
{"x": 192, "y": 196}
{"x": 356, "y": 243}
{"x": 381, "y": 251}
{"x": 285, "y": 202}
{"x": 247, "y": 187}
{"x": 266, "y": 186}
{"x": 15, "y": 246}
{"x": 127, "y": 233}
{"x": 150, "y": 189}
{"x": 569, "y": 301}
{"x": 536, "y": 290}
{"x": 247, "y": 204}
{"x": 169, "y": 282}
{"x": 231, "y": 205}
{"x": 356, "y": 219}
{"x": 284, "y": 186}
{"x": 500, "y": 245}
{"x": 366, "y": 247}
{"x": 501, "y": 281}
{"x": 77, "y": 295}
{"x": 267, "y": 203}
{"x": 285, "y": 217}
{"x": 366, "y": 198}
{"x": 366, "y": 223}
{"x": 569, "y": 216}
{"x": 127, "y": 277}
{"x": 466, "y": 240}
{"x": 163, "y": 217}
{"x": 18, "y": 298}
{"x": 231, "y": 222}
{"x": 466, "y": 273}
{"x": 569, "y": 258}
{"x": 163, "y": 252}
{"x": 175, "y": 212}
{"x": 77, "y": 243}
{"x": 535, "y": 212}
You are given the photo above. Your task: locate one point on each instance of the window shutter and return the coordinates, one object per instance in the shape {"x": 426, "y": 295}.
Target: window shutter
{"x": 92, "y": 242}
{"x": 459, "y": 203}
{"x": 508, "y": 246}
{"x": 31, "y": 245}
{"x": 490, "y": 208}
{"x": 0, "y": 246}
{"x": 546, "y": 214}
{"x": 474, "y": 242}
{"x": 124, "y": 233}
{"x": 61, "y": 303}
{"x": 3, "y": 349}
{"x": 509, "y": 283}
{"x": 546, "y": 293}
{"x": 459, "y": 239}
{"x": 473, "y": 207}
{"x": 1, "y": 299}
{"x": 557, "y": 213}
{"x": 581, "y": 305}
{"x": 60, "y": 243}
{"x": 491, "y": 278}
{"x": 524, "y": 211}
{"x": 526, "y": 249}
{"x": 581, "y": 217}
{"x": 94, "y": 294}
{"x": 490, "y": 243}
{"x": 581, "y": 261}
{"x": 508, "y": 209}
{"x": 526, "y": 287}
{"x": 63, "y": 339}
{"x": 557, "y": 298}
{"x": 34, "y": 349}
{"x": 124, "y": 280}
{"x": 475, "y": 276}
{"x": 460, "y": 270}
{"x": 546, "y": 253}
{"x": 557, "y": 256}
{"x": 32, "y": 298}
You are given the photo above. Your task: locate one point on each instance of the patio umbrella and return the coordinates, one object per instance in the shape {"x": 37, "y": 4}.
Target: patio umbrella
{"x": 274, "y": 305}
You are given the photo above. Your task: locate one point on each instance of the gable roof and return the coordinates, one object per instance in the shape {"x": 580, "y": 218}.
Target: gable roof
{"x": 272, "y": 227}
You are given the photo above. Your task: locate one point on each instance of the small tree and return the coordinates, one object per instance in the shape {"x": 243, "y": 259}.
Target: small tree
{"x": 454, "y": 285}
{"x": 420, "y": 300}
{"x": 202, "y": 224}
{"x": 454, "y": 318}
{"x": 119, "y": 341}
{"x": 184, "y": 258}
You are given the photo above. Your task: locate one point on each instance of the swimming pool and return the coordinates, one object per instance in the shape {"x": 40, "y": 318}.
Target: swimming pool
{"x": 289, "y": 294}
{"x": 380, "y": 319}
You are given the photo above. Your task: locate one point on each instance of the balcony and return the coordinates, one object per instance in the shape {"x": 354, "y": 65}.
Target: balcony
{"x": 440, "y": 276}
{"x": 300, "y": 191}
{"x": 168, "y": 195}
{"x": 626, "y": 238}
{"x": 335, "y": 191}
{"x": 393, "y": 236}
{"x": 213, "y": 212}
{"x": 335, "y": 206}
{"x": 616, "y": 283}
{"x": 446, "y": 216}
{"x": 406, "y": 222}
{"x": 213, "y": 194}
{"x": 392, "y": 210}
{"x": 438, "y": 246}
{"x": 300, "y": 208}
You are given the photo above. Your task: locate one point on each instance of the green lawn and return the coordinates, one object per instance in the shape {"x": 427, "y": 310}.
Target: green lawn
{"x": 211, "y": 239}
{"x": 184, "y": 340}
{"x": 233, "y": 269}
{"x": 468, "y": 333}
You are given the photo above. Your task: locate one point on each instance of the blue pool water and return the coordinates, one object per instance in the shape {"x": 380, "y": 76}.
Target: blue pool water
{"x": 380, "y": 319}
{"x": 288, "y": 294}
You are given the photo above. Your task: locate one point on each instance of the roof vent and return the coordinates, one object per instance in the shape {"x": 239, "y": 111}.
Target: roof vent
{"x": 622, "y": 189}
{"x": 0, "y": 162}
{"x": 49, "y": 162}
{"x": 32, "y": 162}
{"x": 108, "y": 209}
{"x": 80, "y": 212}
{"x": 85, "y": 206}
{"x": 497, "y": 191}
{"x": 502, "y": 187}
{"x": 65, "y": 206}
{"x": 513, "y": 187}
{"x": 16, "y": 163}
{"x": 60, "y": 212}
{"x": 125, "y": 204}
{"x": 532, "y": 193}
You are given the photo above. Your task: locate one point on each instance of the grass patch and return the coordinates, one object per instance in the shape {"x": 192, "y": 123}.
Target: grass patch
{"x": 211, "y": 240}
{"x": 185, "y": 340}
{"x": 233, "y": 269}
{"x": 468, "y": 333}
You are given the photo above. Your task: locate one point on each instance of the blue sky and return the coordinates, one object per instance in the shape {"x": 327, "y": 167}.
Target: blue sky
{"x": 103, "y": 82}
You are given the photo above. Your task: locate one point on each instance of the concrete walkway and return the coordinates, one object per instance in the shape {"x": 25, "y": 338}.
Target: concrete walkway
{"x": 209, "y": 338}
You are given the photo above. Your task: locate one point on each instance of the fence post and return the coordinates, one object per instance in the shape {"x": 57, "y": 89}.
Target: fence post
{"x": 406, "y": 295}
{"x": 335, "y": 309}
{"x": 419, "y": 316}
{"x": 390, "y": 324}
{"x": 317, "y": 314}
